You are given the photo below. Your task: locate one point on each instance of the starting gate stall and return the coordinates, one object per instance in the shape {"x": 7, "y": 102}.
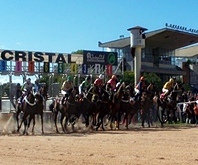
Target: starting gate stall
{"x": 29, "y": 63}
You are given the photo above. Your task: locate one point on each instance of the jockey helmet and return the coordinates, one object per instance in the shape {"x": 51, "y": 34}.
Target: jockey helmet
{"x": 114, "y": 77}
{"x": 88, "y": 78}
{"x": 171, "y": 80}
{"x": 69, "y": 78}
{"x": 101, "y": 76}
{"x": 141, "y": 78}
{"x": 29, "y": 79}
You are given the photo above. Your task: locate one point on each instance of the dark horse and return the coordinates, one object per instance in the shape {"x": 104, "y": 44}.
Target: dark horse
{"x": 103, "y": 106}
{"x": 129, "y": 107}
{"x": 114, "y": 114}
{"x": 88, "y": 106}
{"x": 59, "y": 108}
{"x": 169, "y": 105}
{"x": 32, "y": 105}
{"x": 69, "y": 109}
{"x": 147, "y": 103}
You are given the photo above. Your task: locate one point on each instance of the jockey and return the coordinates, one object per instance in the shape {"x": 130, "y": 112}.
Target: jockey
{"x": 84, "y": 85}
{"x": 37, "y": 86}
{"x": 139, "y": 88}
{"x": 119, "y": 83}
{"x": 111, "y": 84}
{"x": 66, "y": 88}
{"x": 99, "y": 83}
{"x": 18, "y": 91}
{"x": 26, "y": 89}
{"x": 27, "y": 86}
{"x": 167, "y": 87}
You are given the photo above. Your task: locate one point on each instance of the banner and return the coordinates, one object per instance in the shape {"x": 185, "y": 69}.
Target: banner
{"x": 18, "y": 66}
{"x": 73, "y": 68}
{"x": 60, "y": 68}
{"x": 31, "y": 66}
{"x": 109, "y": 69}
{"x": 84, "y": 69}
{"x": 97, "y": 68}
{"x": 46, "y": 67}
{"x": 3, "y": 65}
{"x": 99, "y": 57}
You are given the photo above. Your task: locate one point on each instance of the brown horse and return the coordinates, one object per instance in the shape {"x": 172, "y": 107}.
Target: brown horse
{"x": 59, "y": 108}
{"x": 66, "y": 110}
{"x": 169, "y": 105}
{"x": 114, "y": 114}
{"x": 30, "y": 108}
{"x": 147, "y": 104}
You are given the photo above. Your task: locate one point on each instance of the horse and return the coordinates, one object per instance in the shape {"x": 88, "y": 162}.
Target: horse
{"x": 73, "y": 111}
{"x": 30, "y": 108}
{"x": 103, "y": 106}
{"x": 59, "y": 108}
{"x": 114, "y": 114}
{"x": 147, "y": 104}
{"x": 88, "y": 105}
{"x": 169, "y": 105}
{"x": 43, "y": 92}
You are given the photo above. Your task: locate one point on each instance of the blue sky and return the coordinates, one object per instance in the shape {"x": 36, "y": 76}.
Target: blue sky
{"x": 64, "y": 26}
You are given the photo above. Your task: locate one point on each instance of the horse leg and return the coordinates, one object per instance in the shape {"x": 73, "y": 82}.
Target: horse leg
{"x": 42, "y": 123}
{"x": 143, "y": 118}
{"x": 23, "y": 121}
{"x": 61, "y": 121}
{"x": 148, "y": 119}
{"x": 25, "y": 127}
{"x": 117, "y": 120}
{"x": 159, "y": 116}
{"x": 102, "y": 123}
{"x": 126, "y": 121}
{"x": 30, "y": 118}
{"x": 17, "y": 119}
{"x": 55, "y": 120}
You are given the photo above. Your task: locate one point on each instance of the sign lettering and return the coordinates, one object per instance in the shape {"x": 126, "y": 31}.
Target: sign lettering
{"x": 9, "y": 55}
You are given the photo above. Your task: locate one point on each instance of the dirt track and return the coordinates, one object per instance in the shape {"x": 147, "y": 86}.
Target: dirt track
{"x": 154, "y": 146}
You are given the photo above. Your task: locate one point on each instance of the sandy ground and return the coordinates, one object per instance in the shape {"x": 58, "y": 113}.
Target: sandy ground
{"x": 136, "y": 146}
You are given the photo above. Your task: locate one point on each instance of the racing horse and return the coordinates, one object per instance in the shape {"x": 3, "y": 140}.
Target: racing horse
{"x": 147, "y": 103}
{"x": 114, "y": 114}
{"x": 129, "y": 107}
{"x": 168, "y": 105}
{"x": 32, "y": 105}
{"x": 68, "y": 109}
{"x": 103, "y": 106}
{"x": 73, "y": 111}
{"x": 88, "y": 106}
{"x": 59, "y": 107}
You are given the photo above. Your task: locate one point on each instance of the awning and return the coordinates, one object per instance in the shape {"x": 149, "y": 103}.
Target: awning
{"x": 173, "y": 71}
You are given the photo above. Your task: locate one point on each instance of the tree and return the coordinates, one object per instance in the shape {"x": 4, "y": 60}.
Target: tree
{"x": 129, "y": 77}
{"x": 77, "y": 52}
{"x": 153, "y": 77}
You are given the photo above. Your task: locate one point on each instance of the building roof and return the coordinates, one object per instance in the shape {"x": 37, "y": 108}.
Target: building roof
{"x": 187, "y": 51}
{"x": 164, "y": 38}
